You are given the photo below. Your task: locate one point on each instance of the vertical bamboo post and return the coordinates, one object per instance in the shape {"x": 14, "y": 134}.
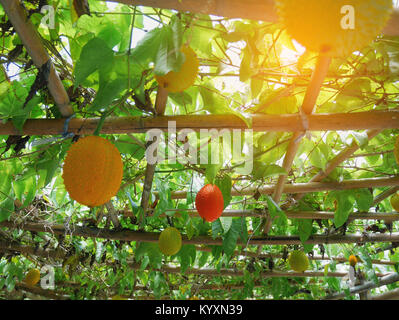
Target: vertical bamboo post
{"x": 313, "y": 91}
{"x": 33, "y": 45}
{"x": 160, "y": 105}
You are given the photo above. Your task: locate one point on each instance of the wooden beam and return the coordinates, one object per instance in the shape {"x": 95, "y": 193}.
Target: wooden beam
{"x": 249, "y": 9}
{"x": 376, "y": 120}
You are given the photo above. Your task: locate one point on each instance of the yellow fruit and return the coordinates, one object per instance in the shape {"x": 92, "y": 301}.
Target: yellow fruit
{"x": 395, "y": 202}
{"x": 298, "y": 261}
{"x": 32, "y": 277}
{"x": 352, "y": 260}
{"x": 335, "y": 27}
{"x": 93, "y": 171}
{"x": 396, "y": 150}
{"x": 185, "y": 77}
{"x": 170, "y": 241}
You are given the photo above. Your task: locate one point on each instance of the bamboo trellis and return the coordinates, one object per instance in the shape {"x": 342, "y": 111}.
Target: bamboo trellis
{"x": 375, "y": 122}
{"x": 129, "y": 235}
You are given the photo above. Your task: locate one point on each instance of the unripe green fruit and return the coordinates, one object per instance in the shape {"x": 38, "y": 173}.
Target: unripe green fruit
{"x": 298, "y": 261}
{"x": 170, "y": 241}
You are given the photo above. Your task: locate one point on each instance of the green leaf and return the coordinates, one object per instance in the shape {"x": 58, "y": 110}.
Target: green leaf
{"x": 224, "y": 184}
{"x": 305, "y": 229}
{"x": 211, "y": 171}
{"x": 151, "y": 251}
{"x": 364, "y": 199}
{"x": 231, "y": 237}
{"x": 263, "y": 170}
{"x": 345, "y": 203}
{"x": 187, "y": 256}
{"x": 217, "y": 229}
{"x": 95, "y": 55}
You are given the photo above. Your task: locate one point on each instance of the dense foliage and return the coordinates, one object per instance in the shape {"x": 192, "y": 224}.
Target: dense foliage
{"x": 107, "y": 62}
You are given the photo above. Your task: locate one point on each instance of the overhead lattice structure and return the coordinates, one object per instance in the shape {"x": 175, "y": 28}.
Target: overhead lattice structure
{"x": 300, "y": 143}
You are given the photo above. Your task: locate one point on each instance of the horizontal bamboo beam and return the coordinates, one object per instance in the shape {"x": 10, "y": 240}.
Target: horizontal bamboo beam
{"x": 129, "y": 235}
{"x": 37, "y": 290}
{"x": 59, "y": 254}
{"x": 249, "y": 9}
{"x": 240, "y": 273}
{"x": 34, "y": 46}
{"x": 316, "y": 215}
{"x": 337, "y": 160}
{"x": 388, "y": 279}
{"x": 260, "y": 123}
{"x": 390, "y": 295}
{"x": 245, "y": 253}
{"x": 308, "y": 187}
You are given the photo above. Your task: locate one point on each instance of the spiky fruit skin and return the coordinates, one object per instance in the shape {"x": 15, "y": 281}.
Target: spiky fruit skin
{"x": 352, "y": 260}
{"x": 395, "y": 202}
{"x": 316, "y": 24}
{"x": 32, "y": 277}
{"x": 93, "y": 171}
{"x": 185, "y": 77}
{"x": 396, "y": 150}
{"x": 209, "y": 202}
{"x": 170, "y": 241}
{"x": 298, "y": 261}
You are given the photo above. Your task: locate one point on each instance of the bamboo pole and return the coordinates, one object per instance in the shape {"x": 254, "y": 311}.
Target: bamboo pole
{"x": 390, "y": 295}
{"x": 308, "y": 105}
{"x": 59, "y": 254}
{"x": 250, "y": 9}
{"x": 388, "y": 279}
{"x": 375, "y": 120}
{"x": 33, "y": 45}
{"x": 245, "y": 253}
{"x": 337, "y": 160}
{"x": 51, "y": 294}
{"x": 309, "y": 187}
{"x": 129, "y": 235}
{"x": 240, "y": 273}
{"x": 160, "y": 106}
{"x": 314, "y": 215}
{"x": 387, "y": 193}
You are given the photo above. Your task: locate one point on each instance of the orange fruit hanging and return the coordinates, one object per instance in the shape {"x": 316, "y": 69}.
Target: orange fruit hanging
{"x": 32, "y": 277}
{"x": 352, "y": 260}
{"x": 209, "y": 202}
{"x": 93, "y": 171}
{"x": 185, "y": 77}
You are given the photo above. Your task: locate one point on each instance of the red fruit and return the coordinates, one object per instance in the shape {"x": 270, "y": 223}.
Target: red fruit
{"x": 209, "y": 202}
